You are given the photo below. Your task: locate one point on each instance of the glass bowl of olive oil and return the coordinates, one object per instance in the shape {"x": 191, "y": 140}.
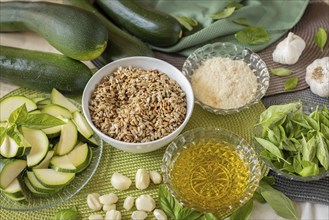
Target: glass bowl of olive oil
{"x": 211, "y": 170}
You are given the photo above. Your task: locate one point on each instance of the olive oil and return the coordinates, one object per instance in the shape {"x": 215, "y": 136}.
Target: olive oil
{"x": 210, "y": 176}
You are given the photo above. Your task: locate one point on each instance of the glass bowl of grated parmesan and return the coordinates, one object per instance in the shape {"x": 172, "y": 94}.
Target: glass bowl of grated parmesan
{"x": 226, "y": 78}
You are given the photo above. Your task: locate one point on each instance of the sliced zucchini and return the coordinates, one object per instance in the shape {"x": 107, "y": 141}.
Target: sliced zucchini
{"x": 90, "y": 141}
{"x": 68, "y": 138}
{"x": 14, "y": 198}
{"x": 83, "y": 127}
{"x": 34, "y": 191}
{"x": 9, "y": 170}
{"x": 56, "y": 110}
{"x": 53, "y": 131}
{"x": 37, "y": 185}
{"x": 14, "y": 189}
{"x": 52, "y": 178}
{"x": 62, "y": 164}
{"x": 46, "y": 161}
{"x": 9, "y": 104}
{"x": 38, "y": 99}
{"x": 10, "y": 149}
{"x": 59, "y": 99}
{"x": 80, "y": 157}
{"x": 44, "y": 102}
{"x": 39, "y": 142}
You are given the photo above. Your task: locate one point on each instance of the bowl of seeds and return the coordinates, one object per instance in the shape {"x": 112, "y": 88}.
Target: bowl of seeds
{"x": 138, "y": 104}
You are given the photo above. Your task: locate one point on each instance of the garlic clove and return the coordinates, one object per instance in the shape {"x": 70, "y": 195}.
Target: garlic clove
{"x": 289, "y": 50}
{"x": 317, "y": 76}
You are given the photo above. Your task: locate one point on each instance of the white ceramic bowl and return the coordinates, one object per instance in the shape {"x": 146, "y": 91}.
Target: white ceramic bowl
{"x": 146, "y": 63}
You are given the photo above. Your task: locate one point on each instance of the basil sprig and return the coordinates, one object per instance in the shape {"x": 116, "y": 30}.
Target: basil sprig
{"x": 253, "y": 35}
{"x": 20, "y": 117}
{"x": 66, "y": 214}
{"x": 293, "y": 141}
{"x": 230, "y": 7}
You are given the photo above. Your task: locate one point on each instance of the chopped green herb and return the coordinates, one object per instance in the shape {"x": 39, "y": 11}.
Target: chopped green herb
{"x": 187, "y": 22}
{"x": 291, "y": 83}
{"x": 226, "y": 12}
{"x": 320, "y": 38}
{"x": 252, "y": 35}
{"x": 241, "y": 21}
{"x": 281, "y": 71}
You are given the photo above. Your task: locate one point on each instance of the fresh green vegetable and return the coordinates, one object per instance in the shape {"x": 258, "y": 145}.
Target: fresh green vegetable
{"x": 74, "y": 32}
{"x": 67, "y": 214}
{"x": 187, "y": 22}
{"x": 120, "y": 43}
{"x": 281, "y": 71}
{"x": 320, "y": 38}
{"x": 233, "y": 3}
{"x": 42, "y": 70}
{"x": 293, "y": 141}
{"x": 243, "y": 212}
{"x": 9, "y": 170}
{"x": 252, "y": 35}
{"x": 149, "y": 25}
{"x": 209, "y": 216}
{"x": 173, "y": 209}
{"x": 291, "y": 83}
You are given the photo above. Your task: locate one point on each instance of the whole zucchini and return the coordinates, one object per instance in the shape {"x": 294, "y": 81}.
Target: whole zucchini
{"x": 149, "y": 25}
{"x": 42, "y": 70}
{"x": 74, "y": 32}
{"x": 121, "y": 44}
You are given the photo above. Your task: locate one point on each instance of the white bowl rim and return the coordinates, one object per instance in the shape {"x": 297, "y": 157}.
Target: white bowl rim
{"x": 130, "y": 144}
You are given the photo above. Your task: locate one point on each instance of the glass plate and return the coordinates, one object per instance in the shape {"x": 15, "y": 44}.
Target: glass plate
{"x": 80, "y": 180}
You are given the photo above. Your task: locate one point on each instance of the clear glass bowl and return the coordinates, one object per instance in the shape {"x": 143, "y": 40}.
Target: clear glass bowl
{"x": 235, "y": 52}
{"x": 307, "y": 109}
{"x": 33, "y": 203}
{"x": 221, "y": 139}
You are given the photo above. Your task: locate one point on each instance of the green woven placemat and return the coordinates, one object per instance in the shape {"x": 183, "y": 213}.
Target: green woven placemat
{"x": 127, "y": 164}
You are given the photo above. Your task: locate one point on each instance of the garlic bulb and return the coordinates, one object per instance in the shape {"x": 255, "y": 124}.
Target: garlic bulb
{"x": 317, "y": 76}
{"x": 289, "y": 50}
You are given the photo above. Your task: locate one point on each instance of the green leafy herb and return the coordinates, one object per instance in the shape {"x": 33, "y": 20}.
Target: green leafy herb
{"x": 173, "y": 209}
{"x": 252, "y": 35}
{"x": 281, "y": 71}
{"x": 291, "y": 83}
{"x": 281, "y": 204}
{"x": 257, "y": 196}
{"x": 232, "y": 3}
{"x": 320, "y": 38}
{"x": 2, "y": 134}
{"x": 18, "y": 115}
{"x": 241, "y": 21}
{"x": 270, "y": 147}
{"x": 309, "y": 169}
{"x": 67, "y": 214}
{"x": 226, "y": 12}
{"x": 209, "y": 216}
{"x": 322, "y": 152}
{"x": 243, "y": 212}
{"x": 187, "y": 22}
{"x": 41, "y": 121}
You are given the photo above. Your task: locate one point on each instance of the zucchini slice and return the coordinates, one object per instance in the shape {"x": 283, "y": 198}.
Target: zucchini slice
{"x": 9, "y": 104}
{"x": 10, "y": 149}
{"x": 90, "y": 141}
{"x": 44, "y": 164}
{"x": 39, "y": 142}
{"x": 14, "y": 189}
{"x": 34, "y": 191}
{"x": 56, "y": 110}
{"x": 37, "y": 185}
{"x": 9, "y": 170}
{"x": 68, "y": 138}
{"x": 59, "y": 99}
{"x": 53, "y": 131}
{"x": 14, "y": 198}
{"x": 83, "y": 127}
{"x": 52, "y": 178}
{"x": 62, "y": 164}
{"x": 80, "y": 157}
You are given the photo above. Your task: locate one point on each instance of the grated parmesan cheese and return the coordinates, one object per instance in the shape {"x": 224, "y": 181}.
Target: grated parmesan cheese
{"x": 224, "y": 83}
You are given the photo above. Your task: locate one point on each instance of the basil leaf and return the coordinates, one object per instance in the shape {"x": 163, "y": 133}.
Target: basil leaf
{"x": 313, "y": 123}
{"x": 309, "y": 148}
{"x": 267, "y": 155}
{"x": 210, "y": 216}
{"x": 187, "y": 22}
{"x": 320, "y": 38}
{"x": 2, "y": 134}
{"x": 309, "y": 169}
{"x": 270, "y": 147}
{"x": 323, "y": 119}
{"x": 226, "y": 12}
{"x": 14, "y": 133}
{"x": 241, "y": 21}
{"x": 243, "y": 212}
{"x": 272, "y": 137}
{"x": 291, "y": 83}
{"x": 280, "y": 203}
{"x": 297, "y": 165}
{"x": 188, "y": 214}
{"x": 281, "y": 72}
{"x": 322, "y": 152}
{"x": 269, "y": 180}
{"x": 41, "y": 121}
{"x": 257, "y": 196}
{"x": 18, "y": 115}
{"x": 232, "y": 3}
{"x": 167, "y": 202}
{"x": 67, "y": 214}
{"x": 252, "y": 35}
{"x": 325, "y": 131}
